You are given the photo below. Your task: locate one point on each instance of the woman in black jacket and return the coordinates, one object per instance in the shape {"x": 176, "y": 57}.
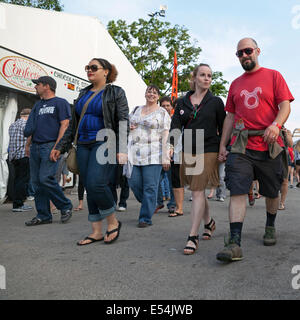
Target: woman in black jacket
{"x": 107, "y": 110}
{"x": 200, "y": 109}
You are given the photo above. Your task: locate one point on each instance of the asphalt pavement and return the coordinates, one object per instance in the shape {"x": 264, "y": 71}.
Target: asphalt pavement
{"x": 44, "y": 262}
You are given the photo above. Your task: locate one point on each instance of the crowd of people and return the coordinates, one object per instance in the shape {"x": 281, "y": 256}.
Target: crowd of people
{"x": 159, "y": 149}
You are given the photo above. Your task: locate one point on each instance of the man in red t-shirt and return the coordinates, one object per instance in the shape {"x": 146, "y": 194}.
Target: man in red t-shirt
{"x": 257, "y": 100}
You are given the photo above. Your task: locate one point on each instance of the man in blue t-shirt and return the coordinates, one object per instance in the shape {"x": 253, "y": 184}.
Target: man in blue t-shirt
{"x": 45, "y": 127}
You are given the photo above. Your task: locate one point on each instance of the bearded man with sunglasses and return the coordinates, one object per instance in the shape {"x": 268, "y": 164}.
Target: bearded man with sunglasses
{"x": 258, "y": 104}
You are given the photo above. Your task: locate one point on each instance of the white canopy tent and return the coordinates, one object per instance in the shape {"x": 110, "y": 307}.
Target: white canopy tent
{"x": 40, "y": 42}
{"x": 67, "y": 42}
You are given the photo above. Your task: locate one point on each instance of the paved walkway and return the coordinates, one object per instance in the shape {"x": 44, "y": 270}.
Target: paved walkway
{"x": 44, "y": 262}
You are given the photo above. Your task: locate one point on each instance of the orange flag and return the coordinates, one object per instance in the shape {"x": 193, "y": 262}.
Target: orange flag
{"x": 174, "y": 95}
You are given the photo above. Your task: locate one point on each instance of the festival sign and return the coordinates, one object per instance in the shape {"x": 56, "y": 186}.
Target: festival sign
{"x": 17, "y": 71}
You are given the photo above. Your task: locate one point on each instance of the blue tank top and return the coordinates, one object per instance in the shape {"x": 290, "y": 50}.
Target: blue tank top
{"x": 92, "y": 121}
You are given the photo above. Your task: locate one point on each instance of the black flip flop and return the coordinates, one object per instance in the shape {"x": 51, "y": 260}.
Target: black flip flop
{"x": 91, "y": 239}
{"x": 112, "y": 231}
{"x": 175, "y": 214}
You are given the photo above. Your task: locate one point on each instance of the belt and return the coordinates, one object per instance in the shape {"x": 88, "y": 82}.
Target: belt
{"x": 43, "y": 142}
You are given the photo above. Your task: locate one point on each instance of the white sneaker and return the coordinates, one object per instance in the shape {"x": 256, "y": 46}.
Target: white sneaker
{"x": 221, "y": 199}
{"x": 30, "y": 198}
{"x": 24, "y": 208}
{"x": 122, "y": 209}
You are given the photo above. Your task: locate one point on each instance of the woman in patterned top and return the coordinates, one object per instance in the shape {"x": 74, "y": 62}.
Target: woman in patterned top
{"x": 148, "y": 152}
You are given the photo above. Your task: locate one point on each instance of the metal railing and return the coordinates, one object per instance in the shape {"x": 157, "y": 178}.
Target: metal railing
{"x": 296, "y": 133}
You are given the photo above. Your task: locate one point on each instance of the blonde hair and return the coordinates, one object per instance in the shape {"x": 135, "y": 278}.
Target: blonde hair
{"x": 297, "y": 147}
{"x": 194, "y": 74}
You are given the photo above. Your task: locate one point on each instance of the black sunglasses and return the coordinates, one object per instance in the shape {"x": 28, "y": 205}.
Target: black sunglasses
{"x": 248, "y": 51}
{"x": 93, "y": 68}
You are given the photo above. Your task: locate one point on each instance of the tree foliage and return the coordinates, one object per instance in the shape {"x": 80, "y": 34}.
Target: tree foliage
{"x": 41, "y": 4}
{"x": 150, "y": 45}
{"x": 218, "y": 86}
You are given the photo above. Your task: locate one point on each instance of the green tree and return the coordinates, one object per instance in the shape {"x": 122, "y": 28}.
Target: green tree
{"x": 41, "y": 4}
{"x": 150, "y": 45}
{"x": 218, "y": 86}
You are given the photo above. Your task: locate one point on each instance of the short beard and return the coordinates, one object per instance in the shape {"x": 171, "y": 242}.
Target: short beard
{"x": 250, "y": 66}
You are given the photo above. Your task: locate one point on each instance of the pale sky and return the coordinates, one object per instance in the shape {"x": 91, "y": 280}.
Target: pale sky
{"x": 218, "y": 26}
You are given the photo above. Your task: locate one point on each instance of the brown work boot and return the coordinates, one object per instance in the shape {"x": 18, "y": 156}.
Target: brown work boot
{"x": 270, "y": 236}
{"x": 231, "y": 252}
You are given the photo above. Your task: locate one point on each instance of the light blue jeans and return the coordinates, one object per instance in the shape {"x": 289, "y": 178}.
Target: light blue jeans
{"x": 144, "y": 183}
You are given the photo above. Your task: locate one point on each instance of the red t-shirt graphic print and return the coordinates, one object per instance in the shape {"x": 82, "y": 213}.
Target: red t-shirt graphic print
{"x": 254, "y": 98}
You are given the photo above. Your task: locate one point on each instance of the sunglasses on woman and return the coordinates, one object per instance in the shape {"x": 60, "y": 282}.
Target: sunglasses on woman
{"x": 93, "y": 68}
{"x": 248, "y": 51}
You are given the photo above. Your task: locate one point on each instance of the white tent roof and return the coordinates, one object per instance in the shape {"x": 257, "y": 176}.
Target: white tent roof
{"x": 67, "y": 42}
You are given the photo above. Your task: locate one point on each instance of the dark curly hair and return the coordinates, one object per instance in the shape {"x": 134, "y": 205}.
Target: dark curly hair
{"x": 167, "y": 99}
{"x": 154, "y": 87}
{"x": 112, "y": 70}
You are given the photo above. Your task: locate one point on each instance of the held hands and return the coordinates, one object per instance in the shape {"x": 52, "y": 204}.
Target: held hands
{"x": 54, "y": 155}
{"x": 271, "y": 134}
{"x": 223, "y": 154}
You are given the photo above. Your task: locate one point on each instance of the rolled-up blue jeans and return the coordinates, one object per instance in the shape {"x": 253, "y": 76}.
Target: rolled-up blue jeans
{"x": 144, "y": 183}
{"x": 43, "y": 171}
{"x": 96, "y": 180}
